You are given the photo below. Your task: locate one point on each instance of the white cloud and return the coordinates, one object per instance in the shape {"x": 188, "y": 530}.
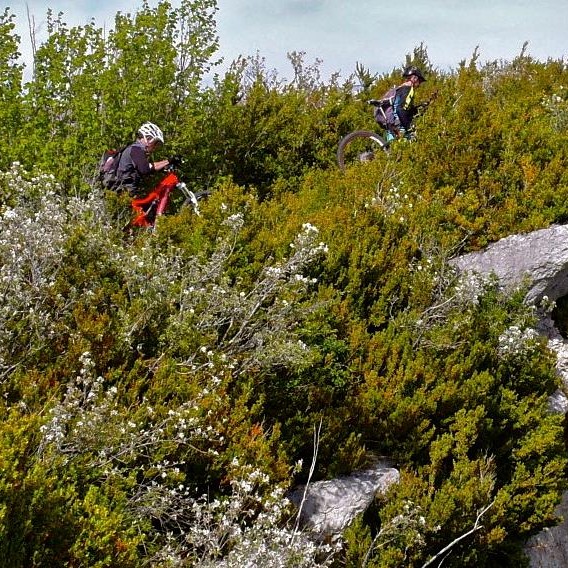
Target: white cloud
{"x": 380, "y": 34}
{"x": 340, "y": 32}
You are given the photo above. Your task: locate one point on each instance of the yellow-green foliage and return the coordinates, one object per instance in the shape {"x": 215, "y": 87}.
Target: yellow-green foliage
{"x": 140, "y": 372}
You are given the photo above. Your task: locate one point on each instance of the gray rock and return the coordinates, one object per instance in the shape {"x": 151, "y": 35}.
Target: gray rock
{"x": 560, "y": 347}
{"x": 330, "y": 506}
{"x": 549, "y": 548}
{"x": 558, "y": 402}
{"x": 540, "y": 257}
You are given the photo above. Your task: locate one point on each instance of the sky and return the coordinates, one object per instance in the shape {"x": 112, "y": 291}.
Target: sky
{"x": 340, "y": 33}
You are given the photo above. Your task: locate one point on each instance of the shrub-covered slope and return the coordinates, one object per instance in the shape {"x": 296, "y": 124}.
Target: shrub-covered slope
{"x": 160, "y": 391}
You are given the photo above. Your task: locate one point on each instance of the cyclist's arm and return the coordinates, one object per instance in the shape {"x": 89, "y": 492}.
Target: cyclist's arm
{"x": 143, "y": 165}
{"x": 160, "y": 165}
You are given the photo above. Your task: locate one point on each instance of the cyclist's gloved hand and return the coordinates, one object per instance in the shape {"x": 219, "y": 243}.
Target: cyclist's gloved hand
{"x": 175, "y": 161}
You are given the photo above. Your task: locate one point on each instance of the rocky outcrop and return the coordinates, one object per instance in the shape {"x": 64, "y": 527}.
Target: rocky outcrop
{"x": 549, "y": 548}
{"x": 328, "y": 507}
{"x": 538, "y": 260}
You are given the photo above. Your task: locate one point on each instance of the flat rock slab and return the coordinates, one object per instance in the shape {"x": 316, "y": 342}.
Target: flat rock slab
{"x": 330, "y": 506}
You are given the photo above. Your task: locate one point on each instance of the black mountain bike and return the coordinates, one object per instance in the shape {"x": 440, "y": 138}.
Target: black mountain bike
{"x": 360, "y": 145}
{"x": 363, "y": 145}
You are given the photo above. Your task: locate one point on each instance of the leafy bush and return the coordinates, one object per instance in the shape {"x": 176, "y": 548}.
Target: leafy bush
{"x": 140, "y": 373}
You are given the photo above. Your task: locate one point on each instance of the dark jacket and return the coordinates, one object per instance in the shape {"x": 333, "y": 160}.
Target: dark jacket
{"x": 403, "y": 106}
{"x": 133, "y": 165}
{"x": 397, "y": 110}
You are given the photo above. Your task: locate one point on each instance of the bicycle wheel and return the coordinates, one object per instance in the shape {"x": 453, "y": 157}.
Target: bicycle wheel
{"x": 192, "y": 199}
{"x": 359, "y": 146}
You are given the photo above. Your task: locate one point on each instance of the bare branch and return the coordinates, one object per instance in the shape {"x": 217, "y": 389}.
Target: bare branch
{"x": 32, "y": 32}
{"x": 312, "y": 469}
{"x": 475, "y": 528}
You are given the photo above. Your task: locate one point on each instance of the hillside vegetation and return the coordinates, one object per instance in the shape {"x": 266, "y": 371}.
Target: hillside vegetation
{"x": 160, "y": 391}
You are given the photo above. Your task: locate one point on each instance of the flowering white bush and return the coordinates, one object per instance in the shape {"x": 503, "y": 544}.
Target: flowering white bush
{"x": 451, "y": 290}
{"x": 249, "y": 526}
{"x": 257, "y": 323}
{"x": 393, "y": 200}
{"x": 136, "y": 448}
{"x": 557, "y": 106}
{"x": 470, "y": 287}
{"x": 514, "y": 342}
{"x": 36, "y": 224}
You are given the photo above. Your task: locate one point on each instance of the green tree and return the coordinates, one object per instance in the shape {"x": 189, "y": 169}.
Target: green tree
{"x": 10, "y": 90}
{"x": 91, "y": 91}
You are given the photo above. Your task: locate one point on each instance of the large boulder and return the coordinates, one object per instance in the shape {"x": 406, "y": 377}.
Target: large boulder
{"x": 539, "y": 258}
{"x": 328, "y": 507}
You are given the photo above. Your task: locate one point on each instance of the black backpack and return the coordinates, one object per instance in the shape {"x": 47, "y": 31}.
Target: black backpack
{"x": 108, "y": 166}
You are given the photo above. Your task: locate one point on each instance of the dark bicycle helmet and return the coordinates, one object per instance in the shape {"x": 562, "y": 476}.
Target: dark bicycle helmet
{"x": 409, "y": 71}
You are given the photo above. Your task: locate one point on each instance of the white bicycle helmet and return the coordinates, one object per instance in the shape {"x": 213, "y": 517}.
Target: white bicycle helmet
{"x": 150, "y": 130}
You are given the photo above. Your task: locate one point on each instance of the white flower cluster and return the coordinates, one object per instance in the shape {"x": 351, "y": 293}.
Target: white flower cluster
{"x": 493, "y": 73}
{"x": 515, "y": 341}
{"x": 546, "y": 305}
{"x": 557, "y": 106}
{"x": 470, "y": 287}
{"x": 247, "y": 528}
{"x": 84, "y": 411}
{"x": 424, "y": 265}
{"x": 409, "y": 527}
{"x": 89, "y": 419}
{"x": 31, "y": 245}
{"x": 258, "y": 324}
{"x": 393, "y": 201}
{"x": 37, "y": 221}
{"x": 159, "y": 281}
{"x": 307, "y": 243}
{"x": 452, "y": 292}
{"x": 235, "y": 222}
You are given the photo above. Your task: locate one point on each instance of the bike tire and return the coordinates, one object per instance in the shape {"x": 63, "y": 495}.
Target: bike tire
{"x": 359, "y": 146}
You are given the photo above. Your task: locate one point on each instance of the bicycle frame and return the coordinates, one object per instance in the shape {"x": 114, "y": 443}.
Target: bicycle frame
{"x": 148, "y": 209}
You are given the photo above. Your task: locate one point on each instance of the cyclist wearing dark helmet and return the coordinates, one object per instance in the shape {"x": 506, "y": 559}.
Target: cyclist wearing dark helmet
{"x": 396, "y": 109}
{"x": 403, "y": 105}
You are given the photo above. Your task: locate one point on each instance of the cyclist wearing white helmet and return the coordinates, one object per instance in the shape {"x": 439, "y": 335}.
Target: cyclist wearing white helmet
{"x": 135, "y": 161}
{"x": 151, "y": 132}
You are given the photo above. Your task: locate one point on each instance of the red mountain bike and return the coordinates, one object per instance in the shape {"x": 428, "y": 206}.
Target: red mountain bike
{"x": 148, "y": 209}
